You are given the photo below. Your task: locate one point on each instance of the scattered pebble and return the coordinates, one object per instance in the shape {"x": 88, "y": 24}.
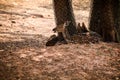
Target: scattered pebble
{"x": 33, "y": 16}
{"x": 1, "y": 50}
{"x": 0, "y": 24}
{"x": 43, "y": 50}
{"x": 41, "y": 16}
{"x": 24, "y": 11}
{"x": 48, "y": 15}
{"x": 13, "y": 21}
{"x": 23, "y": 55}
{"x": 37, "y": 15}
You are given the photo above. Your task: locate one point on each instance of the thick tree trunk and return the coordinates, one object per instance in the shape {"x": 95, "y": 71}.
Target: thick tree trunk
{"x": 95, "y": 15}
{"x": 117, "y": 18}
{"x": 64, "y": 12}
{"x": 102, "y": 21}
{"x": 118, "y": 21}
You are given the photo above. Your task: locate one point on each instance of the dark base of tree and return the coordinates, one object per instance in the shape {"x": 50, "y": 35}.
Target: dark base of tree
{"x": 104, "y": 19}
{"x": 81, "y": 38}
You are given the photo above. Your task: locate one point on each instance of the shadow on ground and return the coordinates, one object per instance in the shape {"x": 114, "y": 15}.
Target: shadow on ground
{"x": 27, "y": 40}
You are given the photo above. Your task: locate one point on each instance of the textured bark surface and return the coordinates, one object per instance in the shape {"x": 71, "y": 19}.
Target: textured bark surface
{"x": 104, "y": 19}
{"x": 64, "y": 12}
{"x": 117, "y": 17}
{"x": 119, "y": 21}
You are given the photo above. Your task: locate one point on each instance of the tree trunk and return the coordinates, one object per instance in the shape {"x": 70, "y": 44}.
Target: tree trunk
{"x": 118, "y": 21}
{"x": 64, "y": 12}
{"x": 102, "y": 20}
{"x": 117, "y": 17}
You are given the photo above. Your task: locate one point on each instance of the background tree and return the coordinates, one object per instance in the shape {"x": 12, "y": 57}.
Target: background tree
{"x": 64, "y": 12}
{"x": 105, "y": 19}
{"x": 116, "y": 5}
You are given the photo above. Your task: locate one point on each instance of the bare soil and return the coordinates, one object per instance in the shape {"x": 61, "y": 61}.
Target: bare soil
{"x": 25, "y": 28}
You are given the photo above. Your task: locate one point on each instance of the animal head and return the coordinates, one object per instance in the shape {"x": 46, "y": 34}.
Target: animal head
{"x": 61, "y": 27}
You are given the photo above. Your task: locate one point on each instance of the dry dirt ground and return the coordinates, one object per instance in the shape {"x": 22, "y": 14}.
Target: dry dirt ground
{"x": 24, "y": 29}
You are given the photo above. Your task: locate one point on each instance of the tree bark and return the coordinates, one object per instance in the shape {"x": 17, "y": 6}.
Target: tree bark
{"x": 118, "y": 21}
{"x": 64, "y": 12}
{"x": 117, "y": 18}
{"x": 104, "y": 19}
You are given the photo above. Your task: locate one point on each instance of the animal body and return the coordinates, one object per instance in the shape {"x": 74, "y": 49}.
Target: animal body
{"x": 63, "y": 28}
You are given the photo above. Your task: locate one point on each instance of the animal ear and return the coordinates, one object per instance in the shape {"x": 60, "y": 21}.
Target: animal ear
{"x": 67, "y": 23}
{"x": 84, "y": 27}
{"x": 79, "y": 25}
{"x": 83, "y": 24}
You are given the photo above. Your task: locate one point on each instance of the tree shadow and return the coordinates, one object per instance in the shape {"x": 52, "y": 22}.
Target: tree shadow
{"x": 5, "y": 6}
{"x": 27, "y": 40}
{"x": 5, "y": 71}
{"x": 21, "y": 14}
{"x": 12, "y": 13}
{"x": 9, "y": 70}
{"x": 18, "y": 34}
